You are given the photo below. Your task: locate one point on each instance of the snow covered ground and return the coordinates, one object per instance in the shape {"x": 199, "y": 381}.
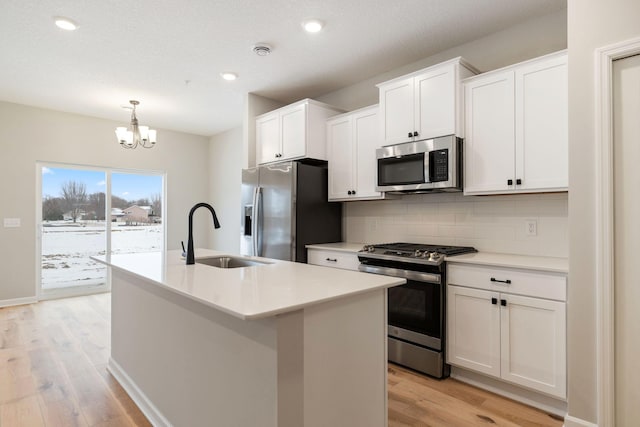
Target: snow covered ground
{"x": 66, "y": 249}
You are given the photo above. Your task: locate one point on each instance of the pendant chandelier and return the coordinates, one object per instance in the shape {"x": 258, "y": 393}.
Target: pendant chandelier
{"x": 135, "y": 135}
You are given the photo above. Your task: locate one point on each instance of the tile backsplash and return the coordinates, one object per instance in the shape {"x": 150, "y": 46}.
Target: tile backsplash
{"x": 489, "y": 223}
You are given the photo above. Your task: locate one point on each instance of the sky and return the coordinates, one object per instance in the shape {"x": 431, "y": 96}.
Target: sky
{"x": 126, "y": 185}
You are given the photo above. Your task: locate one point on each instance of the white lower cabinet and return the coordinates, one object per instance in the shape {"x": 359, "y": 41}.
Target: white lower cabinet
{"x": 335, "y": 259}
{"x": 495, "y": 330}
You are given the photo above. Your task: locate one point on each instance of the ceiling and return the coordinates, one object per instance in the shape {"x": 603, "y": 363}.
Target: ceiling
{"x": 169, "y": 54}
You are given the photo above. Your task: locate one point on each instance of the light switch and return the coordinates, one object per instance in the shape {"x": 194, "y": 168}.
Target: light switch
{"x": 11, "y": 222}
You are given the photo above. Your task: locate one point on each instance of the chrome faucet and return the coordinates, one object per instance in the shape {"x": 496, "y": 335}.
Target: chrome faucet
{"x": 190, "y": 255}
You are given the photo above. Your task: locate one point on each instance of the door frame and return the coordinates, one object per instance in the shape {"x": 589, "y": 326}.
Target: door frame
{"x": 605, "y": 303}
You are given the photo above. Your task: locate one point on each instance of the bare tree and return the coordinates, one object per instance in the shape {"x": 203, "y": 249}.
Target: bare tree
{"x": 52, "y": 208}
{"x": 119, "y": 202}
{"x": 156, "y": 204}
{"x": 97, "y": 205}
{"x": 74, "y": 194}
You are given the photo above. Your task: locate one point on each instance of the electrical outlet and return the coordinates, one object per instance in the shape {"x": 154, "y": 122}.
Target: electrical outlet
{"x": 531, "y": 227}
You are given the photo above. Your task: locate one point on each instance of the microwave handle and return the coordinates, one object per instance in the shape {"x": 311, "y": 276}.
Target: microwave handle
{"x": 427, "y": 174}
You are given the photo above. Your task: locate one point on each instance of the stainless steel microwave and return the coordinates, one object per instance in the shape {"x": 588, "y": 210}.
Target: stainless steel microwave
{"x": 431, "y": 165}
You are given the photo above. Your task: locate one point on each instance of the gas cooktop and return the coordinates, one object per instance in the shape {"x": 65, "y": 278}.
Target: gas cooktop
{"x": 413, "y": 252}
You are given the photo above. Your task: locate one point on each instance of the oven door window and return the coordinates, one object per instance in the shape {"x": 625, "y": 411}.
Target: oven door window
{"x": 416, "y": 306}
{"x": 407, "y": 169}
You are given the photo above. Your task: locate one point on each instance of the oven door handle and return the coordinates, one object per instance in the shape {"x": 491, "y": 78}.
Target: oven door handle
{"x": 404, "y": 274}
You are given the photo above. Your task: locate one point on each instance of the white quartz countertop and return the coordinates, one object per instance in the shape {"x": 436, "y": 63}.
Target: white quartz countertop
{"x": 550, "y": 264}
{"x": 248, "y": 292}
{"x": 338, "y": 246}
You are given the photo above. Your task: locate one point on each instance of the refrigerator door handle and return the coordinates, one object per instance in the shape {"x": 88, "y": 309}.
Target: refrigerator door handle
{"x": 257, "y": 196}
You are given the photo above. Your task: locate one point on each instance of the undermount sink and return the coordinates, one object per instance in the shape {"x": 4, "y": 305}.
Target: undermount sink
{"x": 229, "y": 261}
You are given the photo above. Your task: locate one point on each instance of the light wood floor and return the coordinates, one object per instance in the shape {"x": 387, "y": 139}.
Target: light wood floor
{"x": 53, "y": 358}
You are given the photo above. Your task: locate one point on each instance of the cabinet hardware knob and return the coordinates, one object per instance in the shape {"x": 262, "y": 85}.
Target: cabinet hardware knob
{"x": 332, "y": 260}
{"x": 409, "y": 134}
{"x": 509, "y": 182}
{"x": 508, "y": 281}
{"x": 518, "y": 181}
{"x": 415, "y": 133}
{"x": 353, "y": 192}
{"x": 503, "y": 302}
{"x": 494, "y": 301}
{"x": 349, "y": 192}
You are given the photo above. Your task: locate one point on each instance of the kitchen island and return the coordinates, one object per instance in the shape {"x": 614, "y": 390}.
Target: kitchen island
{"x": 275, "y": 344}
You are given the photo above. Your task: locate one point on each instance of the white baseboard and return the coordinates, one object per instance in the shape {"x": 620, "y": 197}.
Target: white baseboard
{"x": 18, "y": 301}
{"x": 570, "y": 421}
{"x": 546, "y": 403}
{"x": 146, "y": 406}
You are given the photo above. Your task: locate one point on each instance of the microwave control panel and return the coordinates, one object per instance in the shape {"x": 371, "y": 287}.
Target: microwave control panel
{"x": 438, "y": 165}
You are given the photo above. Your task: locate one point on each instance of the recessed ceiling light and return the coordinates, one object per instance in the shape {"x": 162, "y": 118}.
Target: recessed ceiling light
{"x": 312, "y": 25}
{"x": 65, "y": 23}
{"x": 229, "y": 76}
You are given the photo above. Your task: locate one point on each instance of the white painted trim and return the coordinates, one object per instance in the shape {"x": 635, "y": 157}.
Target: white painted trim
{"x": 532, "y": 398}
{"x": 18, "y": 301}
{"x": 73, "y": 291}
{"x": 605, "y": 310}
{"x": 141, "y": 400}
{"x": 570, "y": 421}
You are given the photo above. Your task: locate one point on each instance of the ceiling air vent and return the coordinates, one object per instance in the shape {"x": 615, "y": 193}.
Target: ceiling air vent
{"x": 262, "y": 49}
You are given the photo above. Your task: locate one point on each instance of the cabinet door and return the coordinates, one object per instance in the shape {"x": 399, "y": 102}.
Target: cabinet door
{"x": 534, "y": 343}
{"x": 367, "y": 140}
{"x": 293, "y": 125}
{"x": 542, "y": 125}
{"x": 435, "y": 103}
{"x": 396, "y": 109}
{"x": 473, "y": 330}
{"x": 340, "y": 152}
{"x": 267, "y": 138}
{"x": 489, "y": 153}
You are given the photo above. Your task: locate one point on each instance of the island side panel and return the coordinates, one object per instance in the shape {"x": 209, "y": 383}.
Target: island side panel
{"x": 345, "y": 362}
{"x": 194, "y": 364}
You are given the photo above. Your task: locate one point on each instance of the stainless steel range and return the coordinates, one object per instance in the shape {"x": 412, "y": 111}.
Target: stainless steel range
{"x": 416, "y": 315}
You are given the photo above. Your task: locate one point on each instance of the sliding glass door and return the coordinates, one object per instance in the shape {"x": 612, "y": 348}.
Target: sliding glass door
{"x": 136, "y": 213}
{"x": 88, "y": 211}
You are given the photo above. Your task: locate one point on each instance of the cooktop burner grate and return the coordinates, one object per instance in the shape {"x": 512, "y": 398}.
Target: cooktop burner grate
{"x": 394, "y": 248}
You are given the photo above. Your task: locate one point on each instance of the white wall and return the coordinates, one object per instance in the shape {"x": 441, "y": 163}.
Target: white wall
{"x": 225, "y": 179}
{"x": 491, "y": 224}
{"x": 29, "y": 135}
{"x": 591, "y": 24}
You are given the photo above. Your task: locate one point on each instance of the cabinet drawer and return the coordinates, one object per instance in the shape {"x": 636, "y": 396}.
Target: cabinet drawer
{"x": 523, "y": 282}
{"x": 335, "y": 259}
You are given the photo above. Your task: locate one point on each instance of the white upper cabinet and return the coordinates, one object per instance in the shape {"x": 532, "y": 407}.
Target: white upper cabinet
{"x": 516, "y": 127}
{"x": 352, "y": 140}
{"x": 425, "y": 104}
{"x": 293, "y": 132}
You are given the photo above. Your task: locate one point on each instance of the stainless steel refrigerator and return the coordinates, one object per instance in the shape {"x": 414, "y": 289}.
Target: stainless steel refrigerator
{"x": 285, "y": 207}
